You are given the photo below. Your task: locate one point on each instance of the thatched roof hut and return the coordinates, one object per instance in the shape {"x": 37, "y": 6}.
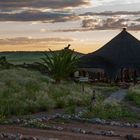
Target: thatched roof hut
{"x": 123, "y": 51}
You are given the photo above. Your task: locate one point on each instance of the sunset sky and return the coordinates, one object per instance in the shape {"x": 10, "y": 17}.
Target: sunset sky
{"x": 32, "y": 25}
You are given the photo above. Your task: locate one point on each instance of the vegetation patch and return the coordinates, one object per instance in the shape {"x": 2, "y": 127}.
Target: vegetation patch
{"x": 133, "y": 96}
{"x": 111, "y": 112}
{"x": 25, "y": 92}
{"x": 105, "y": 90}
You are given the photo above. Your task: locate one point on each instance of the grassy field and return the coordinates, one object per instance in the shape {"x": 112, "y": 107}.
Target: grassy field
{"x": 21, "y": 57}
{"x": 27, "y": 57}
{"x": 25, "y": 92}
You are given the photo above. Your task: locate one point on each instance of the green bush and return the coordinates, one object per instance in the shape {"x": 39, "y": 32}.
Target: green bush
{"x": 61, "y": 65}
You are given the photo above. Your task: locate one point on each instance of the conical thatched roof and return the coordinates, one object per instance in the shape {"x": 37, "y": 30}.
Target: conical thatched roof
{"x": 121, "y": 51}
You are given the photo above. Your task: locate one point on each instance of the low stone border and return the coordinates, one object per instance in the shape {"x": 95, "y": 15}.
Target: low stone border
{"x": 21, "y": 137}
{"x": 72, "y": 117}
{"x": 38, "y": 123}
{"x": 18, "y": 136}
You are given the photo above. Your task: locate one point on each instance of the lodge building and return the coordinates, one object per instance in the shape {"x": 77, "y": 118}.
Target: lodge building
{"x": 118, "y": 60}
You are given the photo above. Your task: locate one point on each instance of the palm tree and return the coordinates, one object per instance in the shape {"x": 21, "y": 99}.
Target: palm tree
{"x": 61, "y": 64}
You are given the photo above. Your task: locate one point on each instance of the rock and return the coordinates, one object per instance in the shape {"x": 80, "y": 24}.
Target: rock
{"x": 18, "y": 121}
{"x": 29, "y": 138}
{"x": 60, "y": 128}
{"x": 137, "y": 125}
{"x": 110, "y": 132}
{"x": 39, "y": 119}
{"x": 32, "y": 138}
{"x": 57, "y": 115}
{"x": 130, "y": 137}
{"x": 83, "y": 131}
{"x": 127, "y": 124}
{"x": 4, "y": 135}
{"x": 98, "y": 121}
{"x": 18, "y": 136}
{"x": 115, "y": 123}
{"x": 107, "y": 133}
{"x": 76, "y": 130}
{"x": 1, "y": 136}
{"x": 44, "y": 119}
{"x": 103, "y": 121}
{"x": 11, "y": 136}
{"x": 92, "y": 120}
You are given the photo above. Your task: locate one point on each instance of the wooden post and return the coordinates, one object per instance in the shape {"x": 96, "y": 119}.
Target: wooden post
{"x": 83, "y": 87}
{"x": 121, "y": 74}
{"x": 135, "y": 77}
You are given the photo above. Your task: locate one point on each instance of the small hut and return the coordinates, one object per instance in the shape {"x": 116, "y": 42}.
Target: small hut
{"x": 119, "y": 58}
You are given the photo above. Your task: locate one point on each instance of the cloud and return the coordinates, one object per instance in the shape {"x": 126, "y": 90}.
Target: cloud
{"x": 30, "y": 40}
{"x": 39, "y": 10}
{"x": 110, "y": 13}
{"x": 48, "y": 4}
{"x": 110, "y": 24}
{"x": 111, "y": 20}
{"x": 134, "y": 27}
{"x": 73, "y": 30}
{"x": 138, "y": 20}
{"x": 89, "y": 23}
{"x": 35, "y": 15}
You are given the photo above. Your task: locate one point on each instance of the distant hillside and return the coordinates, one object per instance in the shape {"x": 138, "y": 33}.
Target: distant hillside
{"x": 27, "y": 57}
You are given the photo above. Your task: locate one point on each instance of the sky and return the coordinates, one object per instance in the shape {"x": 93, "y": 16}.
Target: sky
{"x": 39, "y": 25}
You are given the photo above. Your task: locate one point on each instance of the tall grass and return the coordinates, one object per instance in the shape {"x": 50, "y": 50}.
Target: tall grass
{"x": 112, "y": 112}
{"x": 134, "y": 95}
{"x": 23, "y": 92}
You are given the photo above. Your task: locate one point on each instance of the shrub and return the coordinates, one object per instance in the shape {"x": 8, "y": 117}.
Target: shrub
{"x": 134, "y": 96}
{"x": 61, "y": 64}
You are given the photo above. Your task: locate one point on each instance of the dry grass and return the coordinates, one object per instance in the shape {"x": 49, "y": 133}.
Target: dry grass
{"x": 23, "y": 92}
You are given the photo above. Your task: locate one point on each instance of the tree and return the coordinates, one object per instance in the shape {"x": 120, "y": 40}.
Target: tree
{"x": 61, "y": 64}
{"x": 4, "y": 63}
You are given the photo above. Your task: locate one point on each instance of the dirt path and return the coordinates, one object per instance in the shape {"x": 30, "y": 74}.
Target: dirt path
{"x": 116, "y": 97}
{"x": 51, "y": 135}
{"x": 68, "y": 135}
{"x": 117, "y": 130}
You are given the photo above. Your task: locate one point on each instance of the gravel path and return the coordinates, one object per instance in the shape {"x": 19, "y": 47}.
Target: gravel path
{"x": 52, "y": 135}
{"x": 67, "y": 135}
{"x": 117, "y": 96}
